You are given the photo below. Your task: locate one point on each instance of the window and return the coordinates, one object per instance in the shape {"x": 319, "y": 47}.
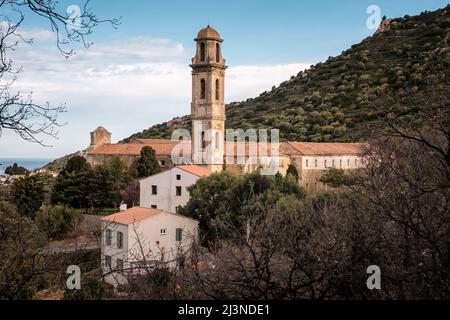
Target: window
{"x": 119, "y": 265}
{"x": 163, "y": 163}
{"x": 163, "y": 232}
{"x": 108, "y": 261}
{"x": 217, "y": 140}
{"x": 203, "y": 89}
{"x": 178, "y": 177}
{"x": 179, "y": 234}
{"x": 154, "y": 206}
{"x": 119, "y": 240}
{"x": 307, "y": 163}
{"x": 178, "y": 209}
{"x": 340, "y": 163}
{"x": 202, "y": 51}
{"x": 333, "y": 163}
{"x": 348, "y": 162}
{"x": 217, "y": 89}
{"x": 178, "y": 191}
{"x": 108, "y": 237}
{"x": 217, "y": 52}
{"x": 154, "y": 190}
{"x": 203, "y": 141}
{"x": 325, "y": 163}
{"x": 315, "y": 163}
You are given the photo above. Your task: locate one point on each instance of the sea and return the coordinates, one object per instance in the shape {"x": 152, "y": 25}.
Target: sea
{"x": 29, "y": 164}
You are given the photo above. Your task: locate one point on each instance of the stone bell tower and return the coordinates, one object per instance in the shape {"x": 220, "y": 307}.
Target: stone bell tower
{"x": 208, "y": 105}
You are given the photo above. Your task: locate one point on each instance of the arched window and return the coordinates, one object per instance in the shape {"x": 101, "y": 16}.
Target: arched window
{"x": 203, "y": 89}
{"x": 203, "y": 141}
{"x": 217, "y": 140}
{"x": 217, "y": 89}
{"x": 202, "y": 52}
{"x": 217, "y": 52}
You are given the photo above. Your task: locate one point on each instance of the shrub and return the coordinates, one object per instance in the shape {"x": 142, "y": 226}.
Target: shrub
{"x": 91, "y": 289}
{"x": 56, "y": 221}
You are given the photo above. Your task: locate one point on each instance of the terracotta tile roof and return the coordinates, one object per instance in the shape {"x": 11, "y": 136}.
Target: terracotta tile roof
{"x": 248, "y": 147}
{"x": 132, "y": 215}
{"x": 137, "y": 214}
{"x": 197, "y": 170}
{"x": 318, "y": 148}
{"x": 165, "y": 147}
{"x": 152, "y": 141}
{"x": 161, "y": 147}
{"x": 116, "y": 149}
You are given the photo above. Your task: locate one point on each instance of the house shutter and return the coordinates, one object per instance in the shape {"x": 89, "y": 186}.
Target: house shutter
{"x": 179, "y": 234}
{"x": 119, "y": 265}
{"x": 108, "y": 237}
{"x": 119, "y": 240}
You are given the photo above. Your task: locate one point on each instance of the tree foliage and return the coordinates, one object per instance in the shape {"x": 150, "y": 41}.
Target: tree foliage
{"x": 16, "y": 170}
{"x": 81, "y": 186}
{"x": 220, "y": 198}
{"x": 28, "y": 194}
{"x": 56, "y": 221}
{"x": 334, "y": 178}
{"x": 146, "y": 165}
{"x": 292, "y": 170}
{"x": 22, "y": 259}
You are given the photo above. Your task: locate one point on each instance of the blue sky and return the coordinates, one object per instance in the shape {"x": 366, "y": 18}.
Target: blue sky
{"x": 138, "y": 75}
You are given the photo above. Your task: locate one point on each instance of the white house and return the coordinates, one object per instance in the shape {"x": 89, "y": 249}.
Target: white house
{"x": 143, "y": 237}
{"x": 168, "y": 190}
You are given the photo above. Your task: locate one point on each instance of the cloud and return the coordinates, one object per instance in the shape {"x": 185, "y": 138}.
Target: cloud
{"x": 38, "y": 35}
{"x": 125, "y": 86}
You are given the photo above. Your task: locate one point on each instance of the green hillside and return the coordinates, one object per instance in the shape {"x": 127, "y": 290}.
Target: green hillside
{"x": 345, "y": 98}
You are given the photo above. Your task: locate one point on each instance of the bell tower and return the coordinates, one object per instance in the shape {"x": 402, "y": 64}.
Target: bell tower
{"x": 208, "y": 103}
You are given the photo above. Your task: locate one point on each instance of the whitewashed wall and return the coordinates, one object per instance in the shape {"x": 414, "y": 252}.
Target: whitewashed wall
{"x": 166, "y": 182}
{"x": 145, "y": 240}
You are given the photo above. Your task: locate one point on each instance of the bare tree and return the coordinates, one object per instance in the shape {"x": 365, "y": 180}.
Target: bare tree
{"x": 18, "y": 112}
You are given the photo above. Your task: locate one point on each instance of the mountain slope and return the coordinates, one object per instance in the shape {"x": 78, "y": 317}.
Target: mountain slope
{"x": 346, "y": 97}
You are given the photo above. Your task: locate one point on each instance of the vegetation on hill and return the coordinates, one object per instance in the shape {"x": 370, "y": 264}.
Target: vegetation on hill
{"x": 16, "y": 170}
{"x": 59, "y": 164}
{"x": 348, "y": 96}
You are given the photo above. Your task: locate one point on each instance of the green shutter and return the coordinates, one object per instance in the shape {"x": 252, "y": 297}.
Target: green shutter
{"x": 108, "y": 237}
{"x": 119, "y": 265}
{"x": 119, "y": 240}
{"x": 179, "y": 234}
{"x": 108, "y": 261}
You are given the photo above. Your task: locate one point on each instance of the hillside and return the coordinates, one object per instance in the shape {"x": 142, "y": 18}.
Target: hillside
{"x": 346, "y": 97}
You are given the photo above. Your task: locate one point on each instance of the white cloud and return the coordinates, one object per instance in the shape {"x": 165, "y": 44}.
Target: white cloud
{"x": 125, "y": 86}
{"x": 38, "y": 35}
